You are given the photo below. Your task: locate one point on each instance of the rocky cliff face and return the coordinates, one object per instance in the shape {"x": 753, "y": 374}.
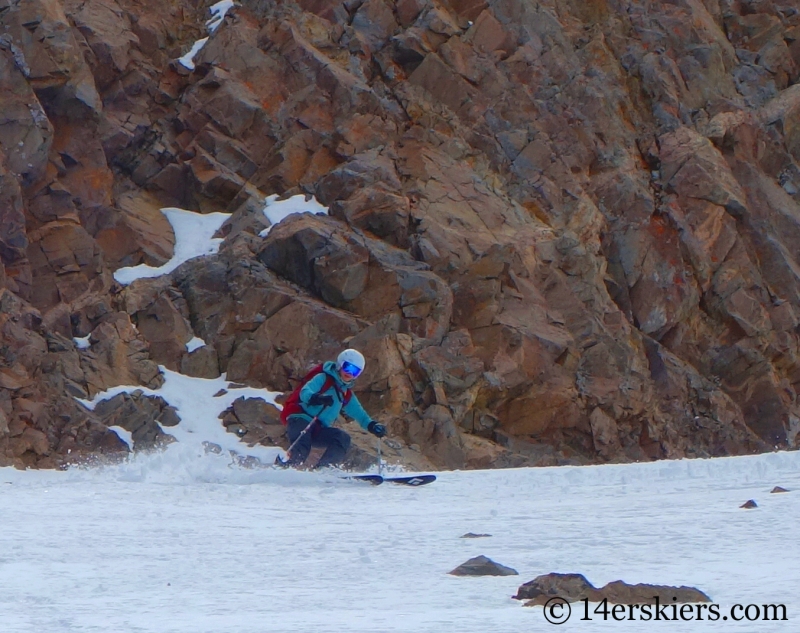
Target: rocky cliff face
{"x": 561, "y": 231}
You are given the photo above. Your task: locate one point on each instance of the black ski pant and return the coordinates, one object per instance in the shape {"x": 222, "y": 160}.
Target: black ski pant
{"x": 335, "y": 441}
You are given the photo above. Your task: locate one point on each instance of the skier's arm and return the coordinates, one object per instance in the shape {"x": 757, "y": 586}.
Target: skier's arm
{"x": 311, "y": 388}
{"x": 354, "y": 410}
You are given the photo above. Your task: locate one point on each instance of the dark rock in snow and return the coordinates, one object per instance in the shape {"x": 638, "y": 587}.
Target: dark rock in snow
{"x": 482, "y": 566}
{"x": 575, "y": 587}
{"x": 141, "y": 415}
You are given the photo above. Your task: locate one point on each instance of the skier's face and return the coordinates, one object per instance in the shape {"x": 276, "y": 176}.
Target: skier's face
{"x": 349, "y": 372}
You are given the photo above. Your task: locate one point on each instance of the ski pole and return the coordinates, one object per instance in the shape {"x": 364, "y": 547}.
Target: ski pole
{"x": 302, "y": 433}
{"x": 380, "y": 461}
{"x": 299, "y": 437}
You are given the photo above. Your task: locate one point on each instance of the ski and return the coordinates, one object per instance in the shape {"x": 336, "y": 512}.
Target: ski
{"x": 414, "y": 480}
{"x": 375, "y": 480}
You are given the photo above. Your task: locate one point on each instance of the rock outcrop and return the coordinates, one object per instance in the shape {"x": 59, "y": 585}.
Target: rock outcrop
{"x": 561, "y": 232}
{"x": 575, "y": 587}
{"x": 482, "y": 566}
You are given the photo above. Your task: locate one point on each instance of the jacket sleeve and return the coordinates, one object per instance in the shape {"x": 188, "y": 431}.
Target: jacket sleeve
{"x": 354, "y": 410}
{"x": 309, "y": 389}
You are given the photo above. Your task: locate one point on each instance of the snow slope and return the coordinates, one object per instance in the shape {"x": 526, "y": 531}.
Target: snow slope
{"x": 182, "y": 542}
{"x": 199, "y": 403}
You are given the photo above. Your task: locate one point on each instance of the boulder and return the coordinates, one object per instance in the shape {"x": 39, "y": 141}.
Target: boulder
{"x": 575, "y": 587}
{"x": 141, "y": 415}
{"x": 255, "y": 421}
{"x": 482, "y": 566}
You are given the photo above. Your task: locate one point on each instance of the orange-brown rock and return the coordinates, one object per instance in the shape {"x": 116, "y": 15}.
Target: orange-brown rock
{"x": 560, "y": 232}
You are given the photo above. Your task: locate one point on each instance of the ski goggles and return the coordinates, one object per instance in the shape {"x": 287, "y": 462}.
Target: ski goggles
{"x": 351, "y": 369}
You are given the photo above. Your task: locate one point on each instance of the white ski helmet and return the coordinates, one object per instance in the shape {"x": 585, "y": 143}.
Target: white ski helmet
{"x": 353, "y": 359}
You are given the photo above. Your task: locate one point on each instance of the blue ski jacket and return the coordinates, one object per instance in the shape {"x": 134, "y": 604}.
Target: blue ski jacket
{"x": 328, "y": 415}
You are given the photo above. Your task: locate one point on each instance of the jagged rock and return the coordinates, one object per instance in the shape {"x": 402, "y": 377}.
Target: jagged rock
{"x": 605, "y": 433}
{"x": 29, "y": 440}
{"x": 250, "y": 411}
{"x": 201, "y": 363}
{"x": 27, "y": 134}
{"x": 748, "y": 505}
{"x": 254, "y": 420}
{"x": 140, "y": 415}
{"x": 778, "y": 489}
{"x": 165, "y": 329}
{"x": 118, "y": 356}
{"x": 138, "y": 234}
{"x": 575, "y": 587}
{"x": 326, "y": 258}
{"x": 66, "y": 263}
{"x": 556, "y": 244}
{"x": 482, "y": 566}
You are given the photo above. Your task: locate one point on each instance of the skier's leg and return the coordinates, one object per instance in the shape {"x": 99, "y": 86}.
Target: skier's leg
{"x": 294, "y": 427}
{"x": 337, "y": 443}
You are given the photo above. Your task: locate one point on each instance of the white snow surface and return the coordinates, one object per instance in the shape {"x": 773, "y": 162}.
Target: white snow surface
{"x": 199, "y": 401}
{"x": 82, "y": 342}
{"x": 218, "y": 12}
{"x": 194, "y": 237}
{"x": 195, "y": 343}
{"x": 179, "y": 542}
{"x": 276, "y": 210}
{"x": 188, "y": 59}
{"x": 123, "y": 434}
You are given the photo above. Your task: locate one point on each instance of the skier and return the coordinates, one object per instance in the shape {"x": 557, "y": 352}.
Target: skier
{"x": 326, "y": 392}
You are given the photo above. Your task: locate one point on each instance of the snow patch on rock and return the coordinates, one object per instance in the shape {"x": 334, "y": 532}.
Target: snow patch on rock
{"x": 218, "y": 12}
{"x": 194, "y": 237}
{"x": 123, "y": 434}
{"x": 195, "y": 343}
{"x": 199, "y": 402}
{"x": 188, "y": 59}
{"x": 83, "y": 342}
{"x": 276, "y": 210}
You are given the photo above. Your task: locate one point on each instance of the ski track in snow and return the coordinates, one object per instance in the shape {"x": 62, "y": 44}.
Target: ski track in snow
{"x": 180, "y": 542}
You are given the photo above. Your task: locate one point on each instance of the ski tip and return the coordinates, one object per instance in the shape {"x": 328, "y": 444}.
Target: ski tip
{"x": 413, "y": 480}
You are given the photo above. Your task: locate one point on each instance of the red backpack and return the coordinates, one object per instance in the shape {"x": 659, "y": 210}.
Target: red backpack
{"x": 292, "y": 404}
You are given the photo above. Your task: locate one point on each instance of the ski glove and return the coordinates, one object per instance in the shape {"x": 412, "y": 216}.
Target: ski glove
{"x": 378, "y": 430}
{"x": 318, "y": 400}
